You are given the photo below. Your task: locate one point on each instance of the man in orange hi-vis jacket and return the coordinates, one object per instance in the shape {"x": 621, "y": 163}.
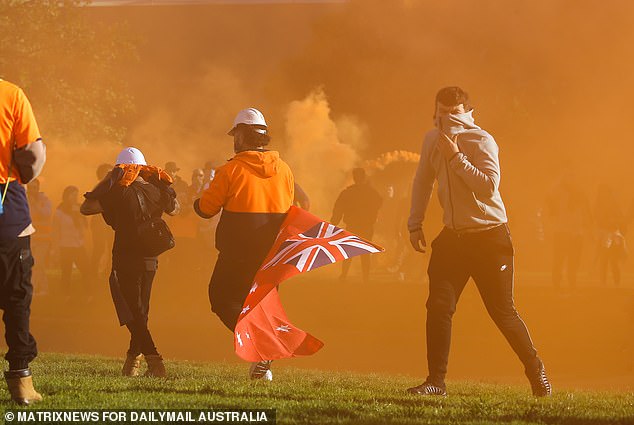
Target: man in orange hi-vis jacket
{"x": 22, "y": 156}
{"x": 254, "y": 190}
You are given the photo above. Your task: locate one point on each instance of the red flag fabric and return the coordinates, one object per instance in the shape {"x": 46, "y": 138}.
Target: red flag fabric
{"x": 305, "y": 242}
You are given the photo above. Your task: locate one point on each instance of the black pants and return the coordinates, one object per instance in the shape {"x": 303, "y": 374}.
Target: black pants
{"x": 487, "y": 257}
{"x": 16, "y": 292}
{"x": 365, "y": 233}
{"x": 230, "y": 284}
{"x": 131, "y": 286}
{"x": 566, "y": 253}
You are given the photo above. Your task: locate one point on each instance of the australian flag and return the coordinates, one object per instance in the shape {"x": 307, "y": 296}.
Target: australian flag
{"x": 305, "y": 242}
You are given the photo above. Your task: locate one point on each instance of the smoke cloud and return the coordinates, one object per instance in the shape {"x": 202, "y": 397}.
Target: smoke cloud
{"x": 321, "y": 151}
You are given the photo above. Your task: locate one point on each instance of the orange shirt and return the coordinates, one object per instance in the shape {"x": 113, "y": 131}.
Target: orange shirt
{"x": 254, "y": 190}
{"x": 252, "y": 182}
{"x": 17, "y": 125}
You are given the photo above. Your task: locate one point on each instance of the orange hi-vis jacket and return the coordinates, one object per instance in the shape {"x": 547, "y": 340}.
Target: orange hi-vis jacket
{"x": 254, "y": 190}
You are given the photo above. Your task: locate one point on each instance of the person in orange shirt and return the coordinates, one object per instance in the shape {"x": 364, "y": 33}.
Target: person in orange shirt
{"x": 254, "y": 190}
{"x": 22, "y": 156}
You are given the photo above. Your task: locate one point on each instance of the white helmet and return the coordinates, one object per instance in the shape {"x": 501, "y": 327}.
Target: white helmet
{"x": 130, "y": 156}
{"x": 252, "y": 117}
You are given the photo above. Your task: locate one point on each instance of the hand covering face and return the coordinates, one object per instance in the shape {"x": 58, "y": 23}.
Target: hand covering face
{"x": 125, "y": 174}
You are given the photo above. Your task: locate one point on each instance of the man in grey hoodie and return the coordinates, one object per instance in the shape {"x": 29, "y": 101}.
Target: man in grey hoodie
{"x": 475, "y": 241}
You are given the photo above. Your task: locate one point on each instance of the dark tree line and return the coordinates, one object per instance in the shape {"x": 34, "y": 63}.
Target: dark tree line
{"x": 70, "y": 68}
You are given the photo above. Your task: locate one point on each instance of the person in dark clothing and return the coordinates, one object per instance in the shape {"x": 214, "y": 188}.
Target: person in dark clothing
{"x": 301, "y": 198}
{"x": 196, "y": 187}
{"x": 254, "y": 190}
{"x": 358, "y": 205}
{"x": 117, "y": 199}
{"x": 475, "y": 241}
{"x": 101, "y": 236}
{"x": 180, "y": 186}
{"x": 22, "y": 156}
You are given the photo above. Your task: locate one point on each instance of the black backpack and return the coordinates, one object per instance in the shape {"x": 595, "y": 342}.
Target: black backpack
{"x": 154, "y": 234}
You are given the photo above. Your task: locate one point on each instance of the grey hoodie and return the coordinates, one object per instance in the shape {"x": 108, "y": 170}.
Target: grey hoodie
{"x": 467, "y": 184}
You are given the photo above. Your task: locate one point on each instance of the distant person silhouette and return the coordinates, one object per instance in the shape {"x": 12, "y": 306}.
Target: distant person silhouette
{"x": 358, "y": 206}
{"x": 301, "y": 198}
{"x": 611, "y": 228}
{"x": 69, "y": 228}
{"x": 196, "y": 186}
{"x": 570, "y": 219}
{"x": 180, "y": 186}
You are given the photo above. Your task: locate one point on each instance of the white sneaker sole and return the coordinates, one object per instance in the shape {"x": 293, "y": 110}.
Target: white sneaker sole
{"x": 267, "y": 376}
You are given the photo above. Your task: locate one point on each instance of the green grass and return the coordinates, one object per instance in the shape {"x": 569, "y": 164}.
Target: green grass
{"x": 311, "y": 397}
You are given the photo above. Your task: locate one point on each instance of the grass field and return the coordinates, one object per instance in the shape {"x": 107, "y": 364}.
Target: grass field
{"x": 311, "y": 397}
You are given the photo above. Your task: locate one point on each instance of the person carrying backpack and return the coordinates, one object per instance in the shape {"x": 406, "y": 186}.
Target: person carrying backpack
{"x": 132, "y": 198}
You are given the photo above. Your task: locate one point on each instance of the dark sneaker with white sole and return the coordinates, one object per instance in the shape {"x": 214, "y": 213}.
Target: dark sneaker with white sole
{"x": 261, "y": 370}
{"x": 427, "y": 388}
{"x": 539, "y": 381}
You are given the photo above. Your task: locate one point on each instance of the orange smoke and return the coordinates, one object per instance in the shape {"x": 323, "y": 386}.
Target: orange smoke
{"x": 387, "y": 158}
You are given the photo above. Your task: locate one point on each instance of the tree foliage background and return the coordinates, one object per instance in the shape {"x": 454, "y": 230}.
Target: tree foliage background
{"x": 70, "y": 68}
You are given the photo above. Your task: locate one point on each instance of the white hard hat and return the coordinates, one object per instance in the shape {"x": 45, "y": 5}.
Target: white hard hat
{"x": 130, "y": 156}
{"x": 250, "y": 116}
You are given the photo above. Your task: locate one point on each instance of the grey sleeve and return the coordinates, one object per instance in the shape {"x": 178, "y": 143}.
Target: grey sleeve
{"x": 30, "y": 160}
{"x": 421, "y": 189}
{"x": 481, "y": 173}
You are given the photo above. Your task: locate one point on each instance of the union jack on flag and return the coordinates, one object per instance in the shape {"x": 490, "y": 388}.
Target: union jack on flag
{"x": 304, "y": 243}
{"x": 320, "y": 245}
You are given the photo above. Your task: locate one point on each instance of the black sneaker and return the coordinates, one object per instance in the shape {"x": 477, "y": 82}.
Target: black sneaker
{"x": 427, "y": 388}
{"x": 539, "y": 381}
{"x": 261, "y": 370}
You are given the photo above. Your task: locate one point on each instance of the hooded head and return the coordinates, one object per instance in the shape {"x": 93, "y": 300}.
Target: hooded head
{"x": 452, "y": 113}
{"x": 264, "y": 164}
